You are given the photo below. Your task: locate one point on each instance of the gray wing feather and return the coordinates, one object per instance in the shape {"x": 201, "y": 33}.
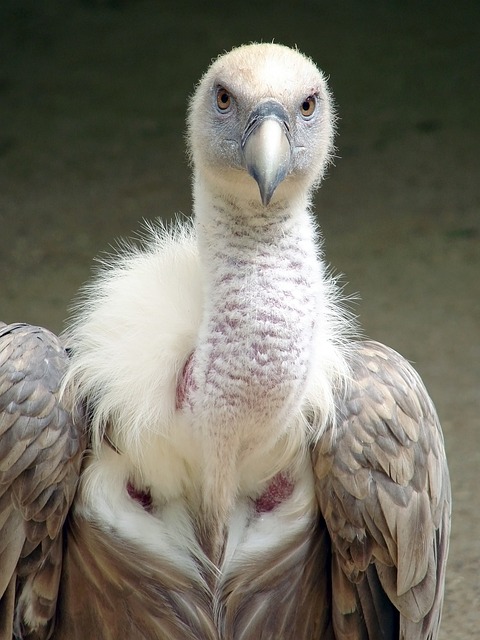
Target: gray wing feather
{"x": 383, "y": 487}
{"x": 40, "y": 456}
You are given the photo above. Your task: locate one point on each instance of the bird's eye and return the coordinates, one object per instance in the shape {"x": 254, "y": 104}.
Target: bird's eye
{"x": 308, "y": 106}
{"x": 224, "y": 99}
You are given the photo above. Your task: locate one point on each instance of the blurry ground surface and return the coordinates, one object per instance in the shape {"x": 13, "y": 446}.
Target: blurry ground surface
{"x": 92, "y": 107}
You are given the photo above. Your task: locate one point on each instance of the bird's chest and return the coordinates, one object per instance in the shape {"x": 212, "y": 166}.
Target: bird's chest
{"x": 127, "y": 537}
{"x": 169, "y": 480}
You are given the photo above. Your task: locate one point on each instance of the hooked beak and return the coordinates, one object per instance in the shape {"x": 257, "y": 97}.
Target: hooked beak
{"x": 266, "y": 146}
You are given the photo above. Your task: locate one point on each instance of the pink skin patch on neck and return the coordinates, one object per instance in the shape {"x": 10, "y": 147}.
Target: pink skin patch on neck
{"x": 144, "y": 498}
{"x": 185, "y": 383}
{"x": 280, "y": 489}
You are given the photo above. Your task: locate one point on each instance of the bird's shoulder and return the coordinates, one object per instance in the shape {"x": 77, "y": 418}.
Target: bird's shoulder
{"x": 383, "y": 488}
{"x": 40, "y": 455}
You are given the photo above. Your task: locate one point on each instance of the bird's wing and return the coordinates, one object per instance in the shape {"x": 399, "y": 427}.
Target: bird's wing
{"x": 383, "y": 487}
{"x": 40, "y": 455}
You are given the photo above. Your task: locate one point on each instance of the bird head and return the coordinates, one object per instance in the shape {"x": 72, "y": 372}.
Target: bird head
{"x": 261, "y": 123}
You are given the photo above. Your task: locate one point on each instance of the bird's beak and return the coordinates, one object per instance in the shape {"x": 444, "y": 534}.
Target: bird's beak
{"x": 266, "y": 146}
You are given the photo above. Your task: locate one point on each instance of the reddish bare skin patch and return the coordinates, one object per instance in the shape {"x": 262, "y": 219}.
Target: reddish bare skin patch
{"x": 143, "y": 498}
{"x": 279, "y": 490}
{"x": 185, "y": 383}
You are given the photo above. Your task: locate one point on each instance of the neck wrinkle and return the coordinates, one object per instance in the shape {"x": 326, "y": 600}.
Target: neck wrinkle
{"x": 261, "y": 301}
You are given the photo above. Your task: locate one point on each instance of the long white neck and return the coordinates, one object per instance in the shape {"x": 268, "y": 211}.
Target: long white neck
{"x": 262, "y": 292}
{"x": 262, "y": 283}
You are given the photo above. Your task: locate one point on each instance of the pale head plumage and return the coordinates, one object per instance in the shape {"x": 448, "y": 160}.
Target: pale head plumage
{"x": 252, "y": 75}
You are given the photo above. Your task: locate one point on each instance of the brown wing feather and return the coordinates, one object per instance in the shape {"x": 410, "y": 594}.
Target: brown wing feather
{"x": 283, "y": 594}
{"x": 383, "y": 487}
{"x": 114, "y": 589}
{"x": 40, "y": 455}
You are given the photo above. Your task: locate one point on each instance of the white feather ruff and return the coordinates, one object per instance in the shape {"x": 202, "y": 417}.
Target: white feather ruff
{"x": 134, "y": 329}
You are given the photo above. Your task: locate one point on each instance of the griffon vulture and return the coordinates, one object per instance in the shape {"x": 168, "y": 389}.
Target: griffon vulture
{"x": 207, "y": 453}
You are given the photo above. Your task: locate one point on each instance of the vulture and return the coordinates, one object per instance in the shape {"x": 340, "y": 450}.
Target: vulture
{"x": 209, "y": 451}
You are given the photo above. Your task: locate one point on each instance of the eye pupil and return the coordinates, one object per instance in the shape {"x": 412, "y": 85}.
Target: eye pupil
{"x": 308, "y": 106}
{"x": 224, "y": 99}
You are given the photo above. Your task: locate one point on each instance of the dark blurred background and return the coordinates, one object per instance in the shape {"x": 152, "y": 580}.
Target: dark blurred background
{"x": 93, "y": 96}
